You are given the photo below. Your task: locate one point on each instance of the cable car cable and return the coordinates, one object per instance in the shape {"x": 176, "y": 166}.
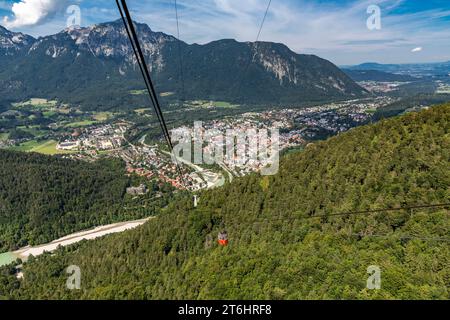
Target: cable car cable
{"x": 264, "y": 20}
{"x": 180, "y": 54}
{"x": 402, "y": 237}
{"x": 126, "y": 18}
{"x": 415, "y": 207}
{"x": 131, "y": 32}
{"x": 364, "y": 212}
{"x": 440, "y": 205}
{"x": 244, "y": 73}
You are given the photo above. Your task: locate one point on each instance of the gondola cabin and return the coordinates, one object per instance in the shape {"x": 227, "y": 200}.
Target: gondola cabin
{"x": 222, "y": 239}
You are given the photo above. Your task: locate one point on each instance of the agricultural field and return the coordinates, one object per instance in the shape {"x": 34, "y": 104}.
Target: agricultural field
{"x": 49, "y": 108}
{"x": 166, "y": 94}
{"x": 38, "y": 125}
{"x": 212, "y": 104}
{"x": 142, "y": 110}
{"x": 65, "y": 110}
{"x": 44, "y": 147}
{"x": 36, "y": 103}
{"x": 144, "y": 91}
{"x": 223, "y": 104}
{"x": 138, "y": 92}
{"x": 79, "y": 124}
{"x": 49, "y": 114}
{"x": 102, "y": 116}
{"x": 34, "y": 130}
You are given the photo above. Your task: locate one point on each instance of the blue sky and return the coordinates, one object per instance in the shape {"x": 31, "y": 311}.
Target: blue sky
{"x": 411, "y": 30}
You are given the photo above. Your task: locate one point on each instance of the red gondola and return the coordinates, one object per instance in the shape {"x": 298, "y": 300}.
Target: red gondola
{"x": 223, "y": 238}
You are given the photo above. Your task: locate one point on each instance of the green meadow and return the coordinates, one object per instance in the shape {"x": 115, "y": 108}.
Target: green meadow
{"x": 44, "y": 147}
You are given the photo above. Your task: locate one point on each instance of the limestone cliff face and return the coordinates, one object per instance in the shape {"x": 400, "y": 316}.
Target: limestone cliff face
{"x": 101, "y": 55}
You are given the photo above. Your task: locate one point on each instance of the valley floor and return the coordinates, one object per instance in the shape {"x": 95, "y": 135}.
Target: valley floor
{"x": 101, "y": 231}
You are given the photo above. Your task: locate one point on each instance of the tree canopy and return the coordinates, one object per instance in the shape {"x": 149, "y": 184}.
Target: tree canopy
{"x": 285, "y": 239}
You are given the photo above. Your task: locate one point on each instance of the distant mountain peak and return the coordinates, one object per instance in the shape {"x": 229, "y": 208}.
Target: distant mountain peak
{"x": 110, "y": 39}
{"x": 12, "y": 42}
{"x": 244, "y": 72}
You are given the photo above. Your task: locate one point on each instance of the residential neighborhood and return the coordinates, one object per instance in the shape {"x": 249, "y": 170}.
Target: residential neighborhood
{"x": 219, "y": 149}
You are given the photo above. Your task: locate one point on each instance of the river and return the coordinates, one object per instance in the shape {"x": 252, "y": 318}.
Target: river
{"x": 24, "y": 253}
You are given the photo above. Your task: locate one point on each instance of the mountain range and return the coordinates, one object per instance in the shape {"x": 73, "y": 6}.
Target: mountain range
{"x": 95, "y": 67}
{"x": 440, "y": 69}
{"x": 375, "y": 75}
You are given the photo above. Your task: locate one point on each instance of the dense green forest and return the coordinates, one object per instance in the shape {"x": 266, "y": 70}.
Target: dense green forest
{"x": 286, "y": 241}
{"x": 410, "y": 101}
{"x": 43, "y": 198}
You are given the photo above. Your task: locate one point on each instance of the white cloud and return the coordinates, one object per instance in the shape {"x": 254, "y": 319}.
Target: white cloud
{"x": 335, "y": 30}
{"x": 33, "y": 12}
{"x": 418, "y": 49}
{"x": 332, "y": 30}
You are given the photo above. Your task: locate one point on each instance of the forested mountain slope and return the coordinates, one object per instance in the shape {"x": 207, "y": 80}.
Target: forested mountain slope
{"x": 375, "y": 75}
{"x": 43, "y": 198}
{"x": 281, "y": 246}
{"x": 100, "y": 71}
